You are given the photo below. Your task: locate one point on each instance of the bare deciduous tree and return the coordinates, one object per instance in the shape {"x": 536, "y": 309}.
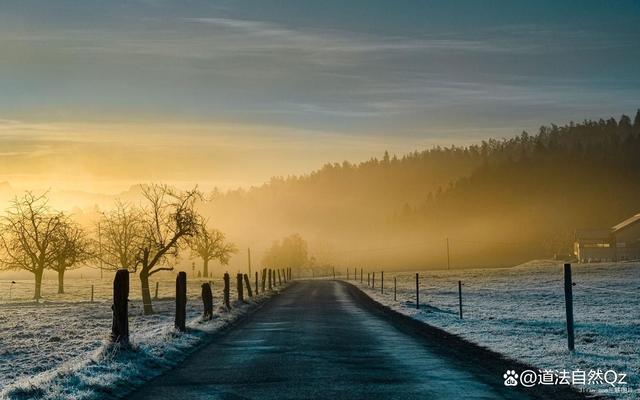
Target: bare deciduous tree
{"x": 169, "y": 220}
{"x": 149, "y": 238}
{"x": 120, "y": 237}
{"x": 28, "y": 233}
{"x": 71, "y": 249}
{"x": 211, "y": 245}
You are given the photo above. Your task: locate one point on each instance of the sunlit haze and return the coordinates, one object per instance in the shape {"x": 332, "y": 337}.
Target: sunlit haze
{"x": 319, "y": 199}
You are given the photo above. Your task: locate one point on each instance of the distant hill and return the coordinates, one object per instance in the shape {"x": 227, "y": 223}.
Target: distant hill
{"x": 498, "y": 202}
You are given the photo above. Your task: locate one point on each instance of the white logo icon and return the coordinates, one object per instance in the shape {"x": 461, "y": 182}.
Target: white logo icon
{"x": 510, "y": 378}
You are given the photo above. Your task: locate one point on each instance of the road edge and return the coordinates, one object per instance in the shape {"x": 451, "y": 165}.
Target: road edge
{"x": 459, "y": 347}
{"x": 210, "y": 337}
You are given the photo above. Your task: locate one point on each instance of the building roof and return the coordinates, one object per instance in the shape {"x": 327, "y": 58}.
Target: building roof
{"x": 626, "y": 223}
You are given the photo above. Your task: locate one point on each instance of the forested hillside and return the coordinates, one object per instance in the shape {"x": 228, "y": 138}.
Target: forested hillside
{"x": 498, "y": 202}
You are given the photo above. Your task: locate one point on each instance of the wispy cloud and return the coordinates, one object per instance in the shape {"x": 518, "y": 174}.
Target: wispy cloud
{"x": 349, "y": 42}
{"x": 154, "y": 61}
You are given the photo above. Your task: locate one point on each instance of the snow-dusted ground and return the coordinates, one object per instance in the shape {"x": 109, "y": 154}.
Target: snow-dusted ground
{"x": 59, "y": 348}
{"x": 520, "y": 312}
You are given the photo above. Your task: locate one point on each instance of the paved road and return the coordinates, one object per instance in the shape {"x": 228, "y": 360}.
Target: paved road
{"x": 315, "y": 341}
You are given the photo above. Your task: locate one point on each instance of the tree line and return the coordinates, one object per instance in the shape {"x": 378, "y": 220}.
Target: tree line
{"x": 144, "y": 238}
{"x": 541, "y": 188}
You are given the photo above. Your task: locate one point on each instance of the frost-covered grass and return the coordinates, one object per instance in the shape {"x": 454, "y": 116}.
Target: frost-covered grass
{"x": 59, "y": 348}
{"x": 520, "y": 312}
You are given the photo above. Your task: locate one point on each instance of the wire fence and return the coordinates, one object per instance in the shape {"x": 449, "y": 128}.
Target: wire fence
{"x": 530, "y": 301}
{"x": 81, "y": 290}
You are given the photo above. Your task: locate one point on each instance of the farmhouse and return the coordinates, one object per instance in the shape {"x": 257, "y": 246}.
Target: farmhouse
{"x": 619, "y": 243}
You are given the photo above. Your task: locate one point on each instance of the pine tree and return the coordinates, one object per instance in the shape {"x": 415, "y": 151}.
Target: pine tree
{"x": 625, "y": 125}
{"x": 636, "y": 123}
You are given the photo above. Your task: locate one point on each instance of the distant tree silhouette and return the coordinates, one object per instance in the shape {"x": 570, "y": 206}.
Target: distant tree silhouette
{"x": 210, "y": 244}
{"x": 119, "y": 237}
{"x": 28, "y": 235}
{"x": 72, "y": 248}
{"x": 290, "y": 252}
{"x": 625, "y": 126}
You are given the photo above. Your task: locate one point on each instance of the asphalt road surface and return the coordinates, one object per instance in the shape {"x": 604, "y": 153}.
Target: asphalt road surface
{"x": 317, "y": 341}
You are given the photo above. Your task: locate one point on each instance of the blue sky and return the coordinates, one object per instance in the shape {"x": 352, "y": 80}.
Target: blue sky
{"x": 386, "y": 74}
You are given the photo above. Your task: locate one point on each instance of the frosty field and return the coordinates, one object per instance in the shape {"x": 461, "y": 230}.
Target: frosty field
{"x": 520, "y": 312}
{"x": 59, "y": 348}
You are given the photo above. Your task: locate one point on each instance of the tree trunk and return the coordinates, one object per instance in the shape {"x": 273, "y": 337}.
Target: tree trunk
{"x": 61, "y": 281}
{"x": 37, "y": 294}
{"x": 205, "y": 268}
{"x": 146, "y": 293}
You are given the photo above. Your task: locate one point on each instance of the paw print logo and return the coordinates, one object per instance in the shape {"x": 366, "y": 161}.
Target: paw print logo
{"x": 510, "y": 378}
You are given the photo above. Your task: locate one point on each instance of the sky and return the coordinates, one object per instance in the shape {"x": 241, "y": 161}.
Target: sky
{"x": 97, "y": 95}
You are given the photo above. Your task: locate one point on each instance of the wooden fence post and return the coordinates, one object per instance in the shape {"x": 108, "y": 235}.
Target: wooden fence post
{"x": 382, "y": 282}
{"x": 248, "y": 285}
{"x": 256, "y": 283}
{"x": 156, "y": 296}
{"x": 239, "y": 285}
{"x": 92, "y": 293}
{"x": 334, "y": 272}
{"x": 269, "y": 273}
{"x": 373, "y": 279}
{"x": 225, "y": 291}
{"x": 120, "y": 307}
{"x": 395, "y": 285}
{"x": 264, "y": 279}
{"x": 361, "y": 281}
{"x": 368, "y": 278}
{"x": 181, "y": 301}
{"x": 568, "y": 300}
{"x": 460, "y": 297}
{"x": 207, "y": 300}
{"x": 279, "y": 278}
{"x": 417, "y": 292}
